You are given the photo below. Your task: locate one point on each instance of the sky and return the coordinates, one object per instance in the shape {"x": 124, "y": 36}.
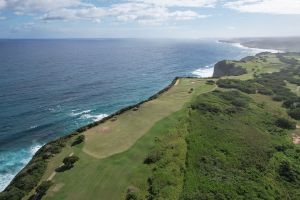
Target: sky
{"x": 149, "y": 18}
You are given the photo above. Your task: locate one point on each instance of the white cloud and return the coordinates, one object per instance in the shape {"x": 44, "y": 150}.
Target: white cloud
{"x": 180, "y": 3}
{"x": 148, "y": 14}
{"x": 266, "y": 6}
{"x": 41, "y": 5}
{"x": 140, "y": 11}
{"x": 93, "y": 13}
{"x": 2, "y": 4}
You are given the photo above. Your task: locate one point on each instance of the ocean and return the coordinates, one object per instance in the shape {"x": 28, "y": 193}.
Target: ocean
{"x": 49, "y": 88}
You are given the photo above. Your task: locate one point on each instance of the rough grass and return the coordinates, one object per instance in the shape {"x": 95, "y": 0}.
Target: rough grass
{"x": 238, "y": 155}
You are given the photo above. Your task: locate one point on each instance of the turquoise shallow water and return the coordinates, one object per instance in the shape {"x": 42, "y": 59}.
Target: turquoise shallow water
{"x": 50, "y": 87}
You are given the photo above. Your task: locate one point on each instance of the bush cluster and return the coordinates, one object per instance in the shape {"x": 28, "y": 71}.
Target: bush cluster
{"x": 41, "y": 190}
{"x": 78, "y": 140}
{"x": 68, "y": 163}
{"x": 285, "y": 123}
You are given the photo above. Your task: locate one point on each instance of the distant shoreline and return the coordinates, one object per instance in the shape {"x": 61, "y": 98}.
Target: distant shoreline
{"x": 242, "y": 45}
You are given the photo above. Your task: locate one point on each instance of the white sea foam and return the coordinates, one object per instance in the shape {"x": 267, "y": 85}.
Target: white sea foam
{"x": 93, "y": 117}
{"x": 18, "y": 158}
{"x": 33, "y": 126}
{"x": 5, "y": 180}
{"x": 204, "y": 72}
{"x": 79, "y": 113}
{"x": 255, "y": 50}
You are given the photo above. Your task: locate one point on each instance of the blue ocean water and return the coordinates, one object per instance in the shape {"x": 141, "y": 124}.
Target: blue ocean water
{"x": 50, "y": 87}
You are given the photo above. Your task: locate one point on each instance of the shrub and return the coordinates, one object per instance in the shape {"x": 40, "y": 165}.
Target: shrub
{"x": 286, "y": 171}
{"x": 68, "y": 163}
{"x": 78, "y": 140}
{"x": 285, "y": 123}
{"x": 70, "y": 160}
{"x": 41, "y": 190}
{"x": 295, "y": 113}
{"x": 43, "y": 187}
{"x": 132, "y": 193}
{"x": 153, "y": 157}
{"x": 206, "y": 107}
{"x": 244, "y": 86}
{"x": 210, "y": 82}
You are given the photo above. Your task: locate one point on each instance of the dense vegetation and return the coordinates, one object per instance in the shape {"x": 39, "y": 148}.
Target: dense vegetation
{"x": 240, "y": 155}
{"x": 273, "y": 84}
{"x": 226, "y": 68}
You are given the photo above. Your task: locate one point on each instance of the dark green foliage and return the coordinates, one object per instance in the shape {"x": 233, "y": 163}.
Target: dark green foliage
{"x": 68, "y": 163}
{"x": 225, "y": 68}
{"x": 236, "y": 156}
{"x": 210, "y": 82}
{"x": 45, "y": 185}
{"x": 70, "y": 160}
{"x": 166, "y": 179}
{"x": 78, "y": 140}
{"x": 153, "y": 157}
{"x": 284, "y": 59}
{"x": 295, "y": 113}
{"x": 132, "y": 193}
{"x": 285, "y": 123}
{"x": 41, "y": 190}
{"x": 235, "y": 98}
{"x": 244, "y": 86}
{"x": 12, "y": 194}
{"x": 285, "y": 170}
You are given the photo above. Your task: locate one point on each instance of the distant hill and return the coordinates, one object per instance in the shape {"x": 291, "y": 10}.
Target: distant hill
{"x": 291, "y": 44}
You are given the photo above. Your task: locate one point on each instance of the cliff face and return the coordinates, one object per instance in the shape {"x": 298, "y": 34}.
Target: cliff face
{"x": 225, "y": 68}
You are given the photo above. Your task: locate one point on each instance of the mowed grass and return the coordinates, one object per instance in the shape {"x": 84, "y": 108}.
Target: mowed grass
{"x": 117, "y": 136}
{"x": 118, "y": 148}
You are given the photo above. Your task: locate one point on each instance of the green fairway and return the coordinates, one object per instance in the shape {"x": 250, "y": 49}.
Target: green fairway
{"x": 108, "y": 178}
{"x": 117, "y": 136}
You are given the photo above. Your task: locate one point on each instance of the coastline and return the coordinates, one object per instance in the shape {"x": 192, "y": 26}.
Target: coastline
{"x": 204, "y": 72}
{"x": 257, "y": 50}
{"x": 76, "y": 132}
{"x": 208, "y": 70}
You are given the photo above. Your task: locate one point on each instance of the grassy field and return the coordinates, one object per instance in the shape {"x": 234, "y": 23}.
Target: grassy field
{"x": 195, "y": 141}
{"x": 126, "y": 142}
{"x": 117, "y": 136}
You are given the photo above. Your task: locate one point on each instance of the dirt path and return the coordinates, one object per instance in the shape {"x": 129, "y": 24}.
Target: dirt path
{"x": 296, "y": 139}
{"x": 54, "y": 173}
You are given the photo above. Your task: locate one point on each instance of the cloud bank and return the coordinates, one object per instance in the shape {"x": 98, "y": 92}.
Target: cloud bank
{"x": 291, "y": 7}
{"x": 148, "y": 12}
